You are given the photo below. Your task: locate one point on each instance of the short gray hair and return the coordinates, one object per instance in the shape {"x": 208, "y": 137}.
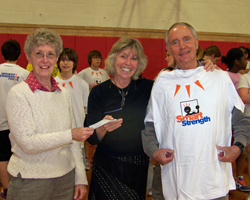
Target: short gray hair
{"x": 184, "y": 24}
{"x": 120, "y": 45}
{"x": 43, "y": 36}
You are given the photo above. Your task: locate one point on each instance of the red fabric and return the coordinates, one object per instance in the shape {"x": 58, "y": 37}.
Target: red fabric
{"x": 85, "y": 44}
{"x": 34, "y": 84}
{"x": 153, "y": 48}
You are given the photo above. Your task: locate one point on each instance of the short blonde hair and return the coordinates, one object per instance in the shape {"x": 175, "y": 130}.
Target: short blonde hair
{"x": 120, "y": 45}
{"x": 43, "y": 36}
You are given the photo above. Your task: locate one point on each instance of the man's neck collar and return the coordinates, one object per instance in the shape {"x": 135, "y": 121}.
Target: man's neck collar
{"x": 189, "y": 65}
{"x": 94, "y": 68}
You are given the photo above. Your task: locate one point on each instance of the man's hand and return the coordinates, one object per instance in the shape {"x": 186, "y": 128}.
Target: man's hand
{"x": 228, "y": 154}
{"x": 163, "y": 156}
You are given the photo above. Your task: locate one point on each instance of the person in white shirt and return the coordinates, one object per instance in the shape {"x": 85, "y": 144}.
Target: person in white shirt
{"x": 94, "y": 75}
{"x": 190, "y": 117}
{"x": 10, "y": 75}
{"x": 79, "y": 89}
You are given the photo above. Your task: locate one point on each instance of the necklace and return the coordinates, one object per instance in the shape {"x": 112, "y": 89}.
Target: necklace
{"x": 122, "y": 93}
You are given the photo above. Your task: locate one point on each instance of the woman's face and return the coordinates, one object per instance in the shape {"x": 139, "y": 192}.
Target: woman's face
{"x": 43, "y": 59}
{"x": 126, "y": 63}
{"x": 242, "y": 63}
{"x": 170, "y": 59}
{"x": 246, "y": 54}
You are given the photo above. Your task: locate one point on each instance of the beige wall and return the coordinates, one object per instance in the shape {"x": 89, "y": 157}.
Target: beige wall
{"x": 222, "y": 16}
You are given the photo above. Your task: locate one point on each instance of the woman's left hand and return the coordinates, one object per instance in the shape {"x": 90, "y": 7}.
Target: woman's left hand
{"x": 111, "y": 126}
{"x": 80, "y": 191}
{"x": 209, "y": 65}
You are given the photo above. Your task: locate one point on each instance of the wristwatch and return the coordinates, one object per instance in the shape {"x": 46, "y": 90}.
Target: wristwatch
{"x": 241, "y": 146}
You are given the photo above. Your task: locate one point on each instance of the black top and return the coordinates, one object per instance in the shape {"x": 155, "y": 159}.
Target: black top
{"x": 126, "y": 140}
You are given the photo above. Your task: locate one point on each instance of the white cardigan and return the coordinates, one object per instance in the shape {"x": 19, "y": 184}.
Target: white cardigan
{"x": 40, "y": 133}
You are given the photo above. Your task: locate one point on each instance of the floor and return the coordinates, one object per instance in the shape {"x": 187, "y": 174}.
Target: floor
{"x": 234, "y": 195}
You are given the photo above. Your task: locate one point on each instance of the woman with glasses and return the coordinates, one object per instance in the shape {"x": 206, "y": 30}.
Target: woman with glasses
{"x": 47, "y": 159}
{"x": 120, "y": 165}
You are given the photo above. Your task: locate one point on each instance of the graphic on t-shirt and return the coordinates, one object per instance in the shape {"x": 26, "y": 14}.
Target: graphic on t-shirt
{"x": 10, "y": 76}
{"x": 188, "y": 87}
{"x": 190, "y": 107}
{"x": 63, "y": 84}
{"x": 97, "y": 73}
{"x": 190, "y": 113}
{"x": 97, "y": 80}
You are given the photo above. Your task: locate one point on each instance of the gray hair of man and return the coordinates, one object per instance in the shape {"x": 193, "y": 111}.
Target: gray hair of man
{"x": 119, "y": 46}
{"x": 43, "y": 36}
{"x": 184, "y": 24}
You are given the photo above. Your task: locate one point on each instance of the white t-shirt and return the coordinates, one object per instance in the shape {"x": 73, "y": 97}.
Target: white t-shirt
{"x": 92, "y": 76}
{"x": 10, "y": 75}
{"x": 245, "y": 83}
{"x": 248, "y": 64}
{"x": 79, "y": 90}
{"x": 191, "y": 111}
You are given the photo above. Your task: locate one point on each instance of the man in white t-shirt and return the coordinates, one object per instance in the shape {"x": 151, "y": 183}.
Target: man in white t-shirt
{"x": 189, "y": 116}
{"x": 10, "y": 75}
{"x": 93, "y": 75}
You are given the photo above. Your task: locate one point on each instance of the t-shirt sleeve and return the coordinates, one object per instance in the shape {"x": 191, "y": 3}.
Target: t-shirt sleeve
{"x": 233, "y": 97}
{"x": 243, "y": 82}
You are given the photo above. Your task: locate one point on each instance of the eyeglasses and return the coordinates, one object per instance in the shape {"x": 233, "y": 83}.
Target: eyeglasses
{"x": 40, "y": 55}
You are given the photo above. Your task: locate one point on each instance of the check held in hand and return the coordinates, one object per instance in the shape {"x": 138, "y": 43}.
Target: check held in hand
{"x": 101, "y": 123}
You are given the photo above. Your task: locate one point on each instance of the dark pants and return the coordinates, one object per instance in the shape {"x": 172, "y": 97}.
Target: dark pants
{"x": 5, "y": 146}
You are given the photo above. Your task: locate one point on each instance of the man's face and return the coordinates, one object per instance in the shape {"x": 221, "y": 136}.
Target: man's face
{"x": 182, "y": 45}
